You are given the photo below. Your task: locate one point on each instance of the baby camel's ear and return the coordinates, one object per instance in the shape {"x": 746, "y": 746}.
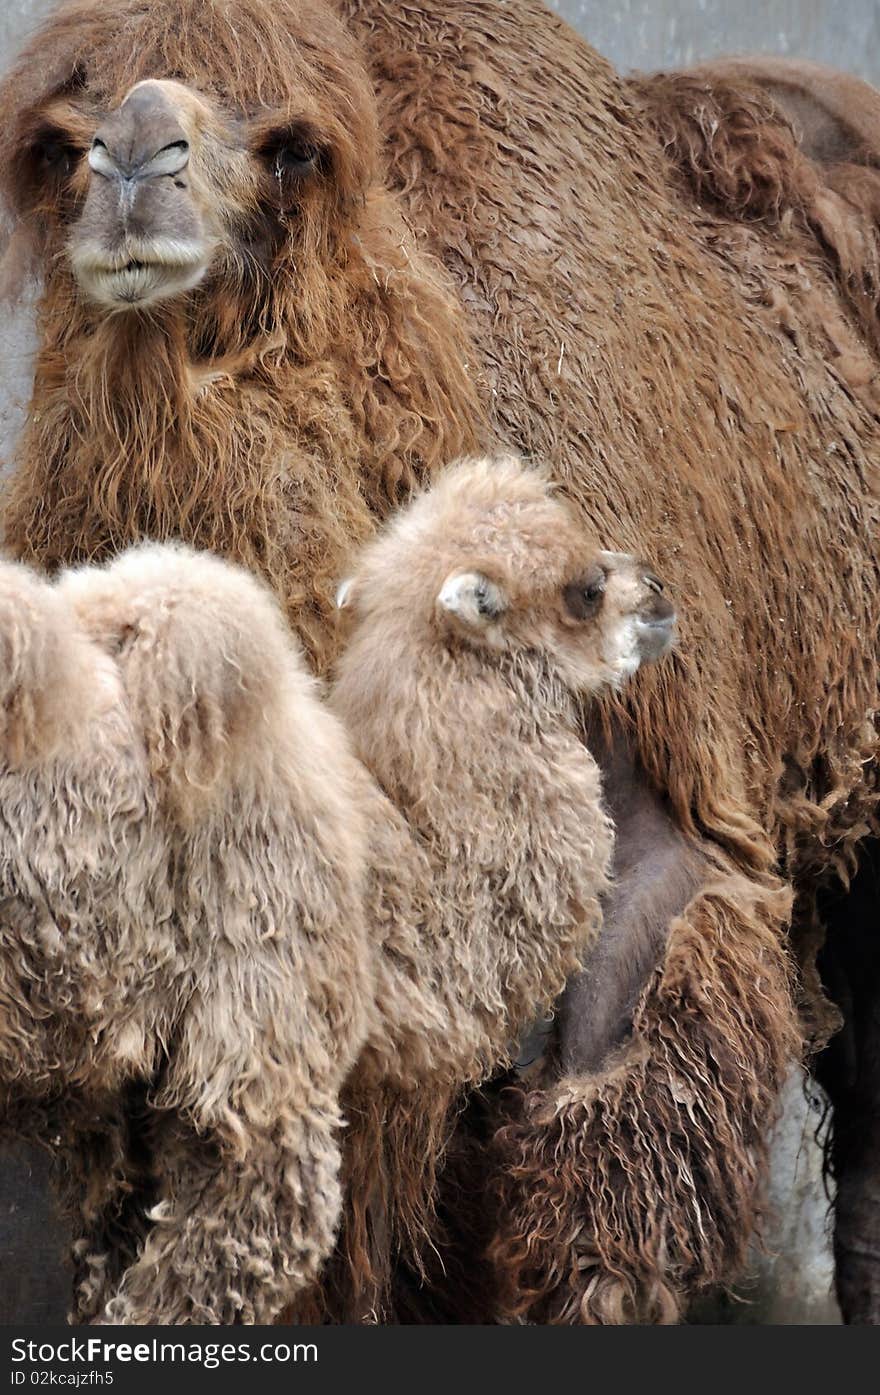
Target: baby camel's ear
{"x": 204, "y": 657}
{"x": 49, "y": 681}
{"x": 345, "y": 593}
{"x": 473, "y": 599}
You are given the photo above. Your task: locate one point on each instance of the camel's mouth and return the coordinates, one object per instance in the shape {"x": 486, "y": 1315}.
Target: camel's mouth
{"x": 656, "y": 634}
{"x": 138, "y": 276}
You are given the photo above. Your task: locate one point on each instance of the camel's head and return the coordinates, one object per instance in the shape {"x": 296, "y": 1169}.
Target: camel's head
{"x": 493, "y": 557}
{"x": 160, "y": 154}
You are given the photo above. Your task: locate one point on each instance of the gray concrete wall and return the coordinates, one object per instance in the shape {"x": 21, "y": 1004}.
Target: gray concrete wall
{"x": 791, "y": 1283}
{"x": 670, "y": 33}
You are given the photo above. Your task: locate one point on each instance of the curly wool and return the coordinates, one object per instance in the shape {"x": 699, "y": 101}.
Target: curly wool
{"x": 184, "y": 972}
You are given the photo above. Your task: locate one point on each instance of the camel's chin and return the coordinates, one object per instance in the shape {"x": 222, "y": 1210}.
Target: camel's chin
{"x": 139, "y": 284}
{"x": 655, "y": 638}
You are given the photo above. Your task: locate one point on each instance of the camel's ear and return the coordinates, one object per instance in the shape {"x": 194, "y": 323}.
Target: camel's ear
{"x": 203, "y": 653}
{"x": 473, "y": 599}
{"x": 345, "y": 593}
{"x": 49, "y": 678}
{"x": 18, "y": 262}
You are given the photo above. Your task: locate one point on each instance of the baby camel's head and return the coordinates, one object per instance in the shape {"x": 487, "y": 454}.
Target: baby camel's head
{"x": 493, "y": 557}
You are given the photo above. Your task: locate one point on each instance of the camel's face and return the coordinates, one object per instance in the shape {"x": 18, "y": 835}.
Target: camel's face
{"x": 596, "y": 627}
{"x": 616, "y": 608}
{"x": 156, "y": 194}
{"x": 149, "y": 226}
{"x": 173, "y": 187}
{"x": 493, "y": 557}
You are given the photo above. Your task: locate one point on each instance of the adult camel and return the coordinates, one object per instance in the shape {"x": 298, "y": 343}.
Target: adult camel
{"x": 261, "y": 324}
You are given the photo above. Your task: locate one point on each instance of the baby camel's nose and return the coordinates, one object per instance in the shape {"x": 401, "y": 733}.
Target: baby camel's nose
{"x": 663, "y": 611}
{"x": 657, "y": 610}
{"x": 656, "y": 619}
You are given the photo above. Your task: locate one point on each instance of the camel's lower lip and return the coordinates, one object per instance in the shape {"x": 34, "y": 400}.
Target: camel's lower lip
{"x": 139, "y": 270}
{"x": 138, "y": 282}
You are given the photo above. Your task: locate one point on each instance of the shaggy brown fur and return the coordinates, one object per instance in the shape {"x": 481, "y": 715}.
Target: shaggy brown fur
{"x": 482, "y": 617}
{"x": 322, "y": 367}
{"x": 184, "y": 975}
{"x": 615, "y": 323}
{"x": 776, "y": 140}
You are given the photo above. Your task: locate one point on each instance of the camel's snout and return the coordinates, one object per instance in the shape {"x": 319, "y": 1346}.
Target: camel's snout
{"x": 143, "y": 139}
{"x": 658, "y": 609}
{"x": 647, "y": 614}
{"x": 656, "y": 619}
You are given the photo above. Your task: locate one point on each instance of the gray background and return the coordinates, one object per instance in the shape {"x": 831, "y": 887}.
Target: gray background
{"x": 791, "y": 1282}
{"x": 671, "y": 33}
{"x": 652, "y": 33}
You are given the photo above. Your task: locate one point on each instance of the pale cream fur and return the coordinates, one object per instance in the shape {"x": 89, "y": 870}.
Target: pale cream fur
{"x": 183, "y": 968}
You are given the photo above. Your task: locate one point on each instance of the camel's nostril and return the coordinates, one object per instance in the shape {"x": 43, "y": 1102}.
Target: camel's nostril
{"x": 136, "y": 155}
{"x": 662, "y": 611}
{"x": 101, "y": 161}
{"x": 653, "y": 582}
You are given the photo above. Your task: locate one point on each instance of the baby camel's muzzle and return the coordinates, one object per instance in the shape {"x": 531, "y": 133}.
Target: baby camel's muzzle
{"x": 656, "y": 620}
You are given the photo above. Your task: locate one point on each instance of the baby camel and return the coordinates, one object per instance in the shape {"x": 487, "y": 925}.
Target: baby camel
{"x": 184, "y": 973}
{"x": 481, "y": 617}
{"x": 196, "y": 969}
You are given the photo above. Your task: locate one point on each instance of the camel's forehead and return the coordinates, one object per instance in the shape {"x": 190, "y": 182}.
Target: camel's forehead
{"x": 512, "y": 517}
{"x": 156, "y": 95}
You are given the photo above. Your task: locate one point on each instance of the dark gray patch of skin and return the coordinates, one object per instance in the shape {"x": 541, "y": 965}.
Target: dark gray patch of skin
{"x": 656, "y": 872}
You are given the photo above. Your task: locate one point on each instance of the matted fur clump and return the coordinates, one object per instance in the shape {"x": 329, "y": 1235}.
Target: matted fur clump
{"x": 696, "y": 372}
{"x": 184, "y": 973}
{"x": 592, "y": 1138}
{"x": 786, "y": 142}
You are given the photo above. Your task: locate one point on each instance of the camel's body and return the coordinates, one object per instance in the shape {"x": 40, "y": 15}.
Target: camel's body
{"x": 185, "y": 973}
{"x": 490, "y": 845}
{"x": 704, "y": 387}
{"x": 631, "y": 322}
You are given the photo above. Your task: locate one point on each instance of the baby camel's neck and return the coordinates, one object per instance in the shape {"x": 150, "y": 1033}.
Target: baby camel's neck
{"x": 455, "y": 736}
{"x": 486, "y": 873}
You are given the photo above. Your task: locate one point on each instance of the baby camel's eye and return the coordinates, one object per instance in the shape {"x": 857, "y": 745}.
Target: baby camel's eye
{"x": 583, "y": 597}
